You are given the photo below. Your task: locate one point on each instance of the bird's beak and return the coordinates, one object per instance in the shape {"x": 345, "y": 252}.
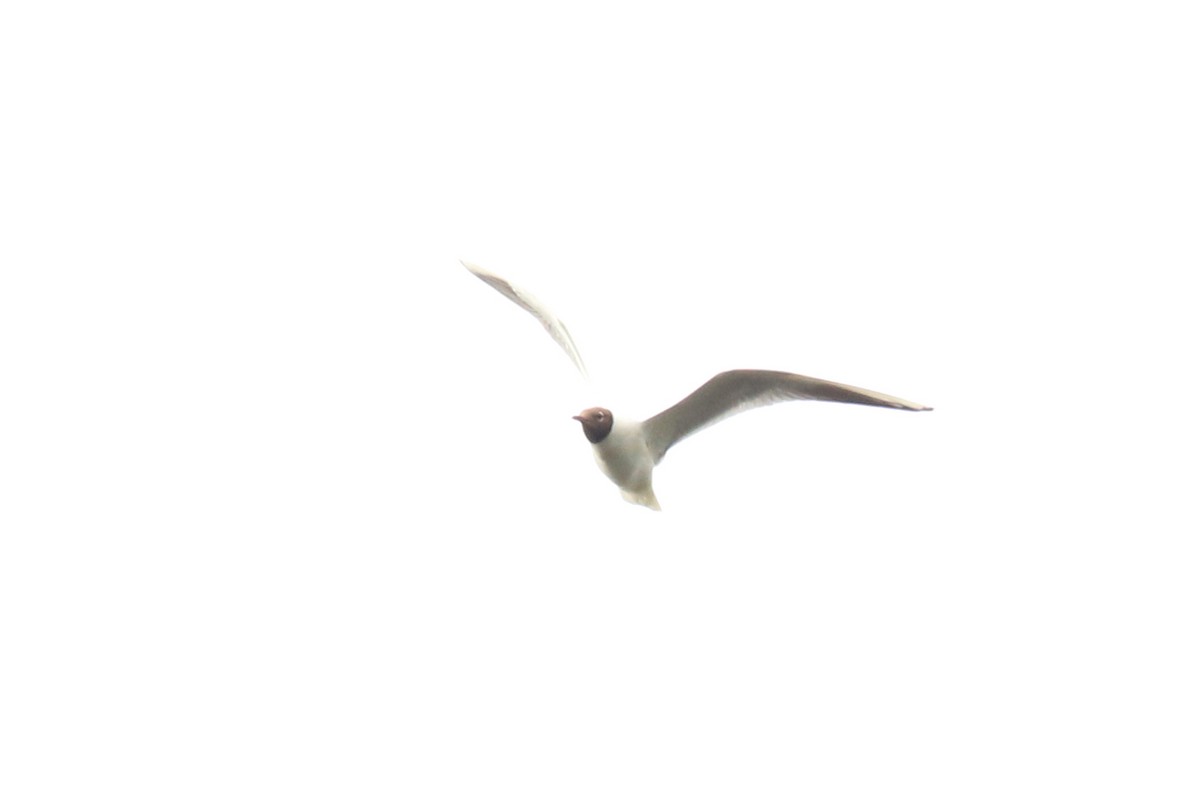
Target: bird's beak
{"x": 577, "y": 417}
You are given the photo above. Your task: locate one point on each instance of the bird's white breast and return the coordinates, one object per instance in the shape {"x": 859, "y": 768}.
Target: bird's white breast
{"x": 624, "y": 457}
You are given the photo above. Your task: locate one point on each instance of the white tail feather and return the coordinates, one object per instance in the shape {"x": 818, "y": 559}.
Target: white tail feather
{"x": 643, "y": 498}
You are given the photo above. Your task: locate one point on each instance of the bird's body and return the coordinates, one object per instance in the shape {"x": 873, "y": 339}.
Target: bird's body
{"x": 624, "y": 456}
{"x": 627, "y": 450}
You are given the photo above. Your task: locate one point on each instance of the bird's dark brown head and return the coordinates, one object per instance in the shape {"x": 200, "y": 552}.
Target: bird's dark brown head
{"x": 597, "y": 422}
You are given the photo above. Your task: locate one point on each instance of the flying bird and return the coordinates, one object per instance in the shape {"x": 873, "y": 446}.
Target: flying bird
{"x": 627, "y": 450}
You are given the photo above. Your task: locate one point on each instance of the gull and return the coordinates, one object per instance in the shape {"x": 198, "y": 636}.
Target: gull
{"x": 628, "y": 450}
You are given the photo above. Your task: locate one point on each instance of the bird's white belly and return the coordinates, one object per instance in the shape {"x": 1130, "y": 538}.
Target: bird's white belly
{"x": 624, "y": 458}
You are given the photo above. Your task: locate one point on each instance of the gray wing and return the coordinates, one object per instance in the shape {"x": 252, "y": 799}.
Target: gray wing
{"x": 742, "y": 389}
{"x": 553, "y": 325}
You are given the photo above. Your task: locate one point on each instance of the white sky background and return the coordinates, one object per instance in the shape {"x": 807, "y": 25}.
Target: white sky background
{"x": 293, "y": 505}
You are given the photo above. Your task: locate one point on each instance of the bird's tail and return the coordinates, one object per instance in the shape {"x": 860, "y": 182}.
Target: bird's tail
{"x": 644, "y": 497}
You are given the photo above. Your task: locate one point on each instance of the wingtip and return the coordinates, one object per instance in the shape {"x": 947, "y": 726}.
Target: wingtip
{"x": 478, "y": 271}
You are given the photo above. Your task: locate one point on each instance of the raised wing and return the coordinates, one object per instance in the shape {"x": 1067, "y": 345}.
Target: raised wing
{"x": 742, "y": 389}
{"x": 553, "y": 325}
